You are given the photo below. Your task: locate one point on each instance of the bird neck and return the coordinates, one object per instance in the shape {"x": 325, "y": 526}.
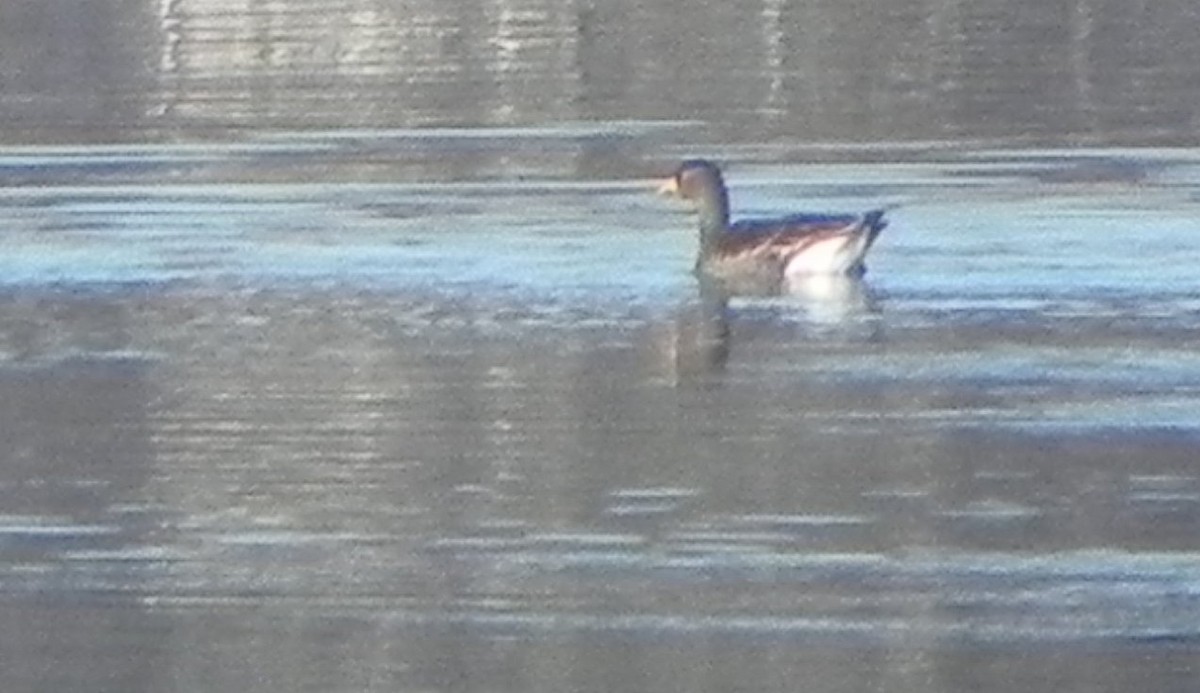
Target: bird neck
{"x": 713, "y": 208}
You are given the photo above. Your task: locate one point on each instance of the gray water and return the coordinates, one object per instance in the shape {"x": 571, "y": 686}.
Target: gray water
{"x": 351, "y": 350}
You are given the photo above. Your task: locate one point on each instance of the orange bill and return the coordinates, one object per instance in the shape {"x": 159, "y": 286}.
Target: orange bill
{"x": 669, "y": 187}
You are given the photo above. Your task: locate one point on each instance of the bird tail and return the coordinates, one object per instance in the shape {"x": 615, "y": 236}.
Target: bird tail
{"x": 874, "y": 223}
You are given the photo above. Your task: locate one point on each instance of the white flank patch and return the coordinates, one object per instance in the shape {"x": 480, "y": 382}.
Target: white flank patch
{"x": 836, "y": 255}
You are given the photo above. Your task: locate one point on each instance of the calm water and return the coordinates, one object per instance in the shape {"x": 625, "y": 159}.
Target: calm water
{"x": 297, "y": 396}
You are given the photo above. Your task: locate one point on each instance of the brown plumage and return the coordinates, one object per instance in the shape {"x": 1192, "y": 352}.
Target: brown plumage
{"x": 771, "y": 249}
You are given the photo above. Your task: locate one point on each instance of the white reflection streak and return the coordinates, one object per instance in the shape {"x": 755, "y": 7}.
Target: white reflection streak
{"x": 506, "y": 44}
{"x": 772, "y": 15}
{"x": 1082, "y": 26}
{"x": 533, "y": 41}
{"x": 168, "y": 61}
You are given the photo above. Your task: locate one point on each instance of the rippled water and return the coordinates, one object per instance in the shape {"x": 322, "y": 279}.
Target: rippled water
{"x": 1025, "y": 71}
{"x": 352, "y": 350}
{"x": 436, "y": 433}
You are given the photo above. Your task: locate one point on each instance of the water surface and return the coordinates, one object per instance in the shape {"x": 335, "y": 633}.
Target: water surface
{"x": 344, "y": 347}
{"x": 436, "y": 433}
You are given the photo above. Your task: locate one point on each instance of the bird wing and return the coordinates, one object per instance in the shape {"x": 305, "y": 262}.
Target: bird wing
{"x": 783, "y": 238}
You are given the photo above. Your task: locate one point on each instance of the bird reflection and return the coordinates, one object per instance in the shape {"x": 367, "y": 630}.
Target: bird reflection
{"x": 697, "y": 341}
{"x": 828, "y": 299}
{"x": 699, "y": 338}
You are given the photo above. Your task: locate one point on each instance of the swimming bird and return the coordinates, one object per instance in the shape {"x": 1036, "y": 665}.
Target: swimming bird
{"x": 770, "y": 250}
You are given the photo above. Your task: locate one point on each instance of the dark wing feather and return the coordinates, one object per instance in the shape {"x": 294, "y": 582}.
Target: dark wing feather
{"x": 797, "y": 222}
{"x": 783, "y": 238}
